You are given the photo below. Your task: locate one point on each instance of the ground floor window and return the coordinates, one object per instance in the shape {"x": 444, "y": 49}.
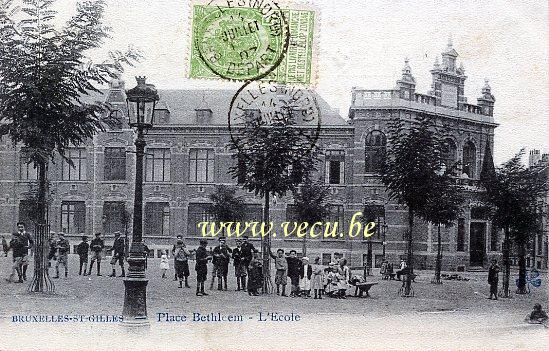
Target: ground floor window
{"x": 73, "y": 217}
{"x": 114, "y": 217}
{"x": 27, "y": 213}
{"x": 157, "y": 219}
{"x": 197, "y": 212}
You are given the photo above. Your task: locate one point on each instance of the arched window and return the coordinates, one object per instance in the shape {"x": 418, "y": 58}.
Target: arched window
{"x": 376, "y": 144}
{"x": 469, "y": 159}
{"x": 449, "y": 153}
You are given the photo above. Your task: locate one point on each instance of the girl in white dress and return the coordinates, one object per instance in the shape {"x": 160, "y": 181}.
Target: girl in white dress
{"x": 164, "y": 263}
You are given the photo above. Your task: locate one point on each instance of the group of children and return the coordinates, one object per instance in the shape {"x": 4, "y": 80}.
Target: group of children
{"x": 304, "y": 277}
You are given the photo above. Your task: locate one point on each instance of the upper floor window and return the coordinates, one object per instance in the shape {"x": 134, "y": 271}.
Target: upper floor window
{"x": 336, "y": 215}
{"x": 203, "y": 116}
{"x": 376, "y": 144}
{"x": 157, "y": 165}
{"x": 469, "y": 159}
{"x": 335, "y": 167}
{"x": 241, "y": 176}
{"x": 115, "y": 120}
{"x": 27, "y": 169}
{"x": 115, "y": 163}
{"x": 449, "y": 153}
{"x": 201, "y": 166}
{"x": 78, "y": 169}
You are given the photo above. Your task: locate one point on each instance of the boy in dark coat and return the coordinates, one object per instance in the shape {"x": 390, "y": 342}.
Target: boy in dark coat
{"x": 96, "y": 247}
{"x": 82, "y": 250}
{"x": 221, "y": 257}
{"x": 118, "y": 254}
{"x": 255, "y": 275}
{"x": 201, "y": 267}
{"x": 247, "y": 251}
{"x": 63, "y": 247}
{"x": 493, "y": 279}
{"x": 239, "y": 268}
{"x": 294, "y": 267}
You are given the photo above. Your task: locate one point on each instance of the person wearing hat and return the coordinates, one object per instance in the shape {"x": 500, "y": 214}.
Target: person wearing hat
{"x": 28, "y": 243}
{"x": 63, "y": 247}
{"x": 294, "y": 269}
{"x": 239, "y": 268}
{"x": 493, "y": 279}
{"x": 181, "y": 262}
{"x": 201, "y": 267}
{"x": 118, "y": 248}
{"x": 247, "y": 250}
{"x": 305, "y": 274}
{"x": 82, "y": 251}
{"x": 178, "y": 237}
{"x": 96, "y": 247}
{"x": 52, "y": 244}
{"x": 221, "y": 258}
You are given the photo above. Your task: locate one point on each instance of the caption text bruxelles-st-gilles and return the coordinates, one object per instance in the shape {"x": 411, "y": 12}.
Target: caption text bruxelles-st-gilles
{"x": 320, "y": 230}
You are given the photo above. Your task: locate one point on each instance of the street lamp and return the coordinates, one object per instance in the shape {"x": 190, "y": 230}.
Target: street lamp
{"x": 141, "y": 102}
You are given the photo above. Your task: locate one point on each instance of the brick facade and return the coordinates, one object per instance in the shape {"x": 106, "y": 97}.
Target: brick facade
{"x": 189, "y": 135}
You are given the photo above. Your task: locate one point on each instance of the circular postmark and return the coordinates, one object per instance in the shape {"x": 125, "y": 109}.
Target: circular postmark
{"x": 259, "y": 106}
{"x": 241, "y": 43}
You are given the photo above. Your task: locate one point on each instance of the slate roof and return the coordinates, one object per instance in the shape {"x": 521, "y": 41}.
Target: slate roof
{"x": 182, "y": 105}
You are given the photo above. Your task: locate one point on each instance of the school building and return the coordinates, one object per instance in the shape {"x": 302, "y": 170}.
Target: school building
{"x": 188, "y": 154}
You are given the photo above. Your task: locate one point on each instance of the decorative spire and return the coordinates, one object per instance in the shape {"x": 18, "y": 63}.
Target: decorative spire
{"x": 436, "y": 64}
{"x": 486, "y": 88}
{"x": 450, "y": 44}
{"x": 461, "y": 69}
{"x": 407, "y": 72}
{"x": 407, "y": 69}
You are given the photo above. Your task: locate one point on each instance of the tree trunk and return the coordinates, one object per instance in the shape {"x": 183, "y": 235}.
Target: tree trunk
{"x": 266, "y": 249}
{"x": 506, "y": 264}
{"x": 410, "y": 255}
{"x": 41, "y": 281}
{"x": 438, "y": 265}
{"x": 521, "y": 286}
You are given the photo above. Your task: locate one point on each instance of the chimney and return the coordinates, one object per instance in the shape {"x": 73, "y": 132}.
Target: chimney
{"x": 534, "y": 158}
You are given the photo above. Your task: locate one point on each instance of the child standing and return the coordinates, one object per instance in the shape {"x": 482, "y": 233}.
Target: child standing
{"x": 305, "y": 274}
{"x": 281, "y": 265}
{"x": 294, "y": 266}
{"x": 255, "y": 276}
{"x": 316, "y": 283}
{"x": 82, "y": 250}
{"x": 164, "y": 263}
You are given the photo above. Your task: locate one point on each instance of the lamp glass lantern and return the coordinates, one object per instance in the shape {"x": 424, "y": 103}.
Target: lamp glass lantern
{"x": 141, "y": 101}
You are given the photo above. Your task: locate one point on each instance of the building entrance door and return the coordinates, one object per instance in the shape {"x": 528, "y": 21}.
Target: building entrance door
{"x": 477, "y": 243}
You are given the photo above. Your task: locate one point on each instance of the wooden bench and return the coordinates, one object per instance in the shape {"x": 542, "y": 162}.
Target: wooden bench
{"x": 363, "y": 288}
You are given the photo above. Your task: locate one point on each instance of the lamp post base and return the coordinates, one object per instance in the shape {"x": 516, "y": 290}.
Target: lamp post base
{"x": 135, "y": 288}
{"x": 135, "y": 301}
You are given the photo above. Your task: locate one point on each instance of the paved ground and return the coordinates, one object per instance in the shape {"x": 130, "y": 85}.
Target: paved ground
{"x": 452, "y": 316}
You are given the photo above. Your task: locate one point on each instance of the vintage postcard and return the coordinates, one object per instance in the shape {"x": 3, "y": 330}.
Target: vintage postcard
{"x": 274, "y": 174}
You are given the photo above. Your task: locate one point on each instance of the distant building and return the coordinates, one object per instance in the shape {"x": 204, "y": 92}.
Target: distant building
{"x": 539, "y": 247}
{"x": 188, "y": 154}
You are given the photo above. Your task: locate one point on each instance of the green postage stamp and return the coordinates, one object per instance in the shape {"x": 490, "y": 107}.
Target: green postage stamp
{"x": 252, "y": 40}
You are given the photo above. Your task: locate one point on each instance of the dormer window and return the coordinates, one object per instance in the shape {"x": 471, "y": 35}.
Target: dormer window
{"x": 203, "y": 116}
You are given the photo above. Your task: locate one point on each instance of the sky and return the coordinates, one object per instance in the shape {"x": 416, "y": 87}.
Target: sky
{"x": 364, "y": 43}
